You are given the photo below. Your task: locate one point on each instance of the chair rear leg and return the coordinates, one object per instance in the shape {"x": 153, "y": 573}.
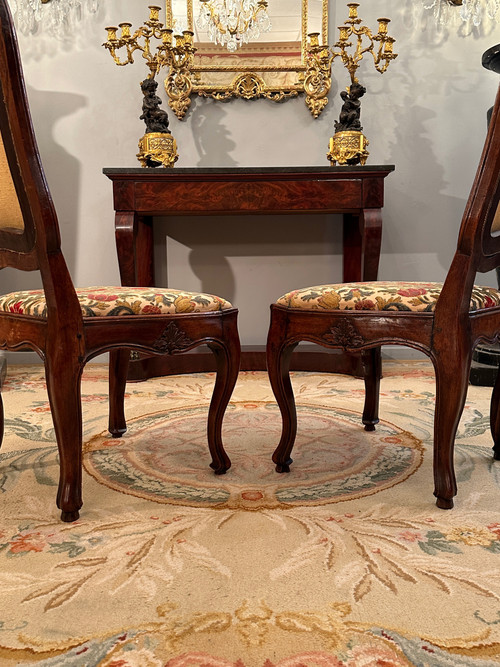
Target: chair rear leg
{"x": 63, "y": 384}
{"x": 451, "y": 391}
{"x": 372, "y": 367}
{"x": 278, "y": 367}
{"x": 3, "y": 375}
{"x": 2, "y": 420}
{"x": 227, "y": 354}
{"x": 118, "y": 370}
{"x": 495, "y": 418}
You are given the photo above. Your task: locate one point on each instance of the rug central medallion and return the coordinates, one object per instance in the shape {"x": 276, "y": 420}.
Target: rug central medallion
{"x": 164, "y": 457}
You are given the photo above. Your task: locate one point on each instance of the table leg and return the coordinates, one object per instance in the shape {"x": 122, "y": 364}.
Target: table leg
{"x": 134, "y": 246}
{"x": 371, "y": 232}
{"x": 362, "y": 240}
{"x": 144, "y": 252}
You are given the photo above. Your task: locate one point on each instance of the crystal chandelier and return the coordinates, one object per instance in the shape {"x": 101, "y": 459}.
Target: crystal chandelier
{"x": 233, "y": 22}
{"x": 471, "y": 11}
{"x": 53, "y": 16}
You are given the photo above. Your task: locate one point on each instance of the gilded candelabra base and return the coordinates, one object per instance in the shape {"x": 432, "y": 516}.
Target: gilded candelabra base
{"x": 348, "y": 147}
{"x": 157, "y": 149}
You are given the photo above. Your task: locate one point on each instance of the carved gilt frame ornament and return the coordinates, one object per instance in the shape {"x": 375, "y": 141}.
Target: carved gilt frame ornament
{"x": 272, "y": 70}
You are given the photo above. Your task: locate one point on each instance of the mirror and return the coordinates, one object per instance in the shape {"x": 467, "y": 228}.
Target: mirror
{"x": 271, "y": 65}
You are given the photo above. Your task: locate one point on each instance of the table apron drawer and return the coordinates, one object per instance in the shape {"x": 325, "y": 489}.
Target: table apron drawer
{"x": 236, "y": 197}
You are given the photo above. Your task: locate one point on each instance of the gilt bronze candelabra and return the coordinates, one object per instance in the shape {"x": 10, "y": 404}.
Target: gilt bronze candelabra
{"x": 348, "y": 145}
{"x": 157, "y": 147}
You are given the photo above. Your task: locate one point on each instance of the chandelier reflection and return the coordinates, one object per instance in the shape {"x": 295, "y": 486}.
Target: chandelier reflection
{"x": 57, "y": 17}
{"x": 232, "y": 23}
{"x": 470, "y": 11}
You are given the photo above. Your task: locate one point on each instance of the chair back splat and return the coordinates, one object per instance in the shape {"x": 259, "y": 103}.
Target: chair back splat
{"x": 67, "y": 327}
{"x": 445, "y": 321}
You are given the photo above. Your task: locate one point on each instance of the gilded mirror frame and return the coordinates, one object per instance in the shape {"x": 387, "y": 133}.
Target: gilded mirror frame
{"x": 272, "y": 70}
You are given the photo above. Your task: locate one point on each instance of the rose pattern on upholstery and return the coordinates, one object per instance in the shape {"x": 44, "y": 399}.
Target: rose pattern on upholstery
{"x": 108, "y": 301}
{"x": 380, "y": 295}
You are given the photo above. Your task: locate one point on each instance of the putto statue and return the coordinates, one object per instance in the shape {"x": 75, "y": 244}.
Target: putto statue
{"x": 349, "y": 119}
{"x": 156, "y": 119}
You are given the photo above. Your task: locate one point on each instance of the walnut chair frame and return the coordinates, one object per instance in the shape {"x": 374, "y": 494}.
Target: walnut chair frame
{"x": 65, "y": 339}
{"x": 447, "y": 335}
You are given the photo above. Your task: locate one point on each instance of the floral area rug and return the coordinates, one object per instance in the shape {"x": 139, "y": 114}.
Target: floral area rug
{"x": 343, "y": 562}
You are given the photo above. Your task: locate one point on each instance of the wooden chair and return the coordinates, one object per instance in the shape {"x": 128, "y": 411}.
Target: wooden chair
{"x": 67, "y": 327}
{"x": 445, "y": 321}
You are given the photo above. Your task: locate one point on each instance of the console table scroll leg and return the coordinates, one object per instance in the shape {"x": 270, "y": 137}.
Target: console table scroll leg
{"x": 371, "y": 233}
{"x": 144, "y": 251}
{"x": 125, "y": 233}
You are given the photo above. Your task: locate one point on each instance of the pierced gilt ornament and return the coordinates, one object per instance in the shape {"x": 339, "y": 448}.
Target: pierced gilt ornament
{"x": 157, "y": 149}
{"x": 348, "y": 148}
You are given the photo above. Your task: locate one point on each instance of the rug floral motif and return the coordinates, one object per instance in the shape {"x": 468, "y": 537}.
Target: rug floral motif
{"x": 343, "y": 562}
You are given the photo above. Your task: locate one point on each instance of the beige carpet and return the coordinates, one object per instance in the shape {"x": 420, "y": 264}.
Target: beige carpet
{"x": 345, "y": 562}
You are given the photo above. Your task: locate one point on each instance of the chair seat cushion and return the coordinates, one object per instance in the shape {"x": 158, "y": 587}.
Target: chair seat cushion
{"x": 415, "y": 297}
{"x": 102, "y": 301}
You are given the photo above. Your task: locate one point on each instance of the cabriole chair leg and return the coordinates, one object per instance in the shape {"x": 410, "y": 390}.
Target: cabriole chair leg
{"x": 63, "y": 386}
{"x": 278, "y": 367}
{"x": 118, "y": 370}
{"x": 227, "y": 355}
{"x": 495, "y": 418}
{"x": 451, "y": 391}
{"x": 372, "y": 366}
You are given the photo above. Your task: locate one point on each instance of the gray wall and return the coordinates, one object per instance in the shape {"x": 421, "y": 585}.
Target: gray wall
{"x": 426, "y": 115}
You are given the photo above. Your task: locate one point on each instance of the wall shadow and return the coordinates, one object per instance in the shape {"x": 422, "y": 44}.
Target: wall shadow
{"x": 62, "y": 171}
{"x": 211, "y": 240}
{"x": 211, "y": 137}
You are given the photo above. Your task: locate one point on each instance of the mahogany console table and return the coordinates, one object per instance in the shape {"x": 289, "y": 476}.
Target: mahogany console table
{"x": 139, "y": 194}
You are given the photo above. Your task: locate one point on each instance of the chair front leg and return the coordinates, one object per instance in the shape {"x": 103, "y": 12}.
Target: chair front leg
{"x": 3, "y": 375}
{"x": 278, "y": 355}
{"x": 495, "y": 418}
{"x": 2, "y": 420}
{"x": 118, "y": 370}
{"x": 63, "y": 377}
{"x": 227, "y": 354}
{"x": 452, "y": 377}
{"x": 372, "y": 367}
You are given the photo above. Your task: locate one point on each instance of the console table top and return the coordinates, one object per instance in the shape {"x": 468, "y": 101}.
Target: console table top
{"x": 162, "y": 171}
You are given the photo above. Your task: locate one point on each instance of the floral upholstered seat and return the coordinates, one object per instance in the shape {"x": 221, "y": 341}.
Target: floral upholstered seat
{"x": 109, "y": 301}
{"x": 399, "y": 296}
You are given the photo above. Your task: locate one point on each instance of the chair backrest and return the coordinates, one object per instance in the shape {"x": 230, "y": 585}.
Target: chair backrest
{"x": 479, "y": 235}
{"x": 29, "y": 231}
